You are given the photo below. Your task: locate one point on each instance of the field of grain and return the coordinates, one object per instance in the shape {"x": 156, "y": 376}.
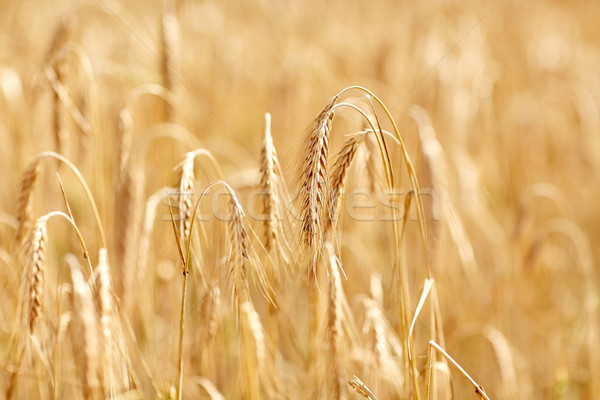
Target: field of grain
{"x": 299, "y": 200}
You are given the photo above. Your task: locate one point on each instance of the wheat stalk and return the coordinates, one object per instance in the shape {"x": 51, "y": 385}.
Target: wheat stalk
{"x": 184, "y": 262}
{"x": 62, "y": 93}
{"x": 371, "y": 163}
{"x": 479, "y": 390}
{"x": 361, "y": 388}
{"x": 25, "y": 205}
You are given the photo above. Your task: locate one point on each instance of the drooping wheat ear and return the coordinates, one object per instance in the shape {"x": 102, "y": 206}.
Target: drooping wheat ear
{"x": 127, "y": 225}
{"x": 186, "y": 196}
{"x": 314, "y": 181}
{"x": 239, "y": 247}
{"x": 84, "y": 332}
{"x": 253, "y": 349}
{"x": 240, "y": 260}
{"x": 25, "y": 200}
{"x": 267, "y": 184}
{"x": 103, "y": 302}
{"x": 314, "y": 209}
{"x": 38, "y": 243}
{"x": 337, "y": 178}
{"x": 334, "y": 328}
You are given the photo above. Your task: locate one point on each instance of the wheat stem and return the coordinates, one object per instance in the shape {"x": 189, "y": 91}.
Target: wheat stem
{"x": 478, "y": 388}
{"x": 184, "y": 261}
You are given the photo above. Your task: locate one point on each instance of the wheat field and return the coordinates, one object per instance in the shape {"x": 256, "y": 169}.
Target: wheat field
{"x": 299, "y": 200}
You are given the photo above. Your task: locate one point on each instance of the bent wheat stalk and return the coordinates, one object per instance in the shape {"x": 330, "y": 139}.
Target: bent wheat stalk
{"x": 36, "y": 254}
{"x": 28, "y": 182}
{"x": 184, "y": 262}
{"x": 239, "y": 263}
{"x": 404, "y": 299}
{"x": 478, "y": 388}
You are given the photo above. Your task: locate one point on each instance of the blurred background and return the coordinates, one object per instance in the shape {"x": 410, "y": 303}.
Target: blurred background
{"x": 498, "y": 102}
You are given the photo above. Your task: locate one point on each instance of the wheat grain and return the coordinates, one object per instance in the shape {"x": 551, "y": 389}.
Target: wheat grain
{"x": 268, "y": 184}
{"x": 337, "y": 177}
{"x": 25, "y": 200}
{"x": 269, "y": 180}
{"x": 314, "y": 182}
{"x": 239, "y": 251}
{"x": 186, "y": 193}
{"x": 38, "y": 243}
